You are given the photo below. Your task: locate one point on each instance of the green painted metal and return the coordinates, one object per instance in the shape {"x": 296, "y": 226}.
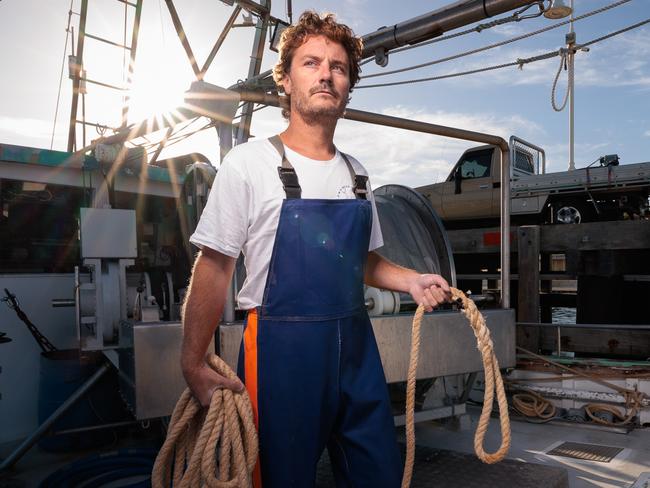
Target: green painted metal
{"x": 594, "y": 361}
{"x": 23, "y": 154}
{"x": 46, "y": 157}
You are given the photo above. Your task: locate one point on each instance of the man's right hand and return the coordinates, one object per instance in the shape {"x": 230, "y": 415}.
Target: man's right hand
{"x": 203, "y": 381}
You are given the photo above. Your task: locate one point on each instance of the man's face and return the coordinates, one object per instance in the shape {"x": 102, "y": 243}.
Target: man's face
{"x": 319, "y": 80}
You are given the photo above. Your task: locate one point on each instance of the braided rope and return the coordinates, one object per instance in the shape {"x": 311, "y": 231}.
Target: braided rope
{"x": 492, "y": 380}
{"x": 216, "y": 448}
{"x": 633, "y": 398}
{"x": 531, "y": 404}
{"x": 563, "y": 63}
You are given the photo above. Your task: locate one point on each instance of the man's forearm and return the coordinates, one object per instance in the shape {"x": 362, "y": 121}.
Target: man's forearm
{"x": 203, "y": 307}
{"x": 382, "y": 273}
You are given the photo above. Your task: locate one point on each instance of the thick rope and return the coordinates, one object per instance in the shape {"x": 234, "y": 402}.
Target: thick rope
{"x": 633, "y": 398}
{"x": 492, "y": 379}
{"x": 567, "y": 64}
{"x": 531, "y": 404}
{"x": 217, "y": 448}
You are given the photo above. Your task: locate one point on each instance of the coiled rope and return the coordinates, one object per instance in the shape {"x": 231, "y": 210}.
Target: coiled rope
{"x": 531, "y": 404}
{"x": 633, "y": 398}
{"x": 492, "y": 380}
{"x": 199, "y": 444}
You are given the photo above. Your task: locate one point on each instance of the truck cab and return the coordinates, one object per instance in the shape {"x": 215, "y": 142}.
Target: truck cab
{"x": 471, "y": 191}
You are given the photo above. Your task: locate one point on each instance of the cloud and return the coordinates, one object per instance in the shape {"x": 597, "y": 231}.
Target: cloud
{"x": 415, "y": 159}
{"x": 27, "y": 131}
{"x": 557, "y": 155}
{"x": 647, "y": 133}
{"x": 24, "y": 126}
{"x": 508, "y": 30}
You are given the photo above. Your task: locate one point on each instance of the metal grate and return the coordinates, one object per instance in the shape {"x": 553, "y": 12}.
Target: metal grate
{"x": 588, "y": 452}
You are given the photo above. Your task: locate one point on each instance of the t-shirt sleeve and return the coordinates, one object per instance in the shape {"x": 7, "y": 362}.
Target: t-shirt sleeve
{"x": 223, "y": 225}
{"x": 376, "y": 237}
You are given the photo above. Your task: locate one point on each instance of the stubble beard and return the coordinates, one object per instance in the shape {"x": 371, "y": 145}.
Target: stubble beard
{"x": 318, "y": 115}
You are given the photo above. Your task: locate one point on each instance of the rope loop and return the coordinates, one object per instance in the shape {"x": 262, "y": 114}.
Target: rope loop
{"x": 493, "y": 381}
{"x": 567, "y": 64}
{"x": 216, "y": 448}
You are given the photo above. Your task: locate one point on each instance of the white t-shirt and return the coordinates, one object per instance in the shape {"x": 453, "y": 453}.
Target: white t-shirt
{"x": 243, "y": 209}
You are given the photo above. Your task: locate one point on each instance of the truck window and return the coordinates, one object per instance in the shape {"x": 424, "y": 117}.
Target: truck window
{"x": 524, "y": 161}
{"x": 475, "y": 164}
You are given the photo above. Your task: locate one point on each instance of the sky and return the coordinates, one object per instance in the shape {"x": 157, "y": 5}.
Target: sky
{"x": 612, "y": 101}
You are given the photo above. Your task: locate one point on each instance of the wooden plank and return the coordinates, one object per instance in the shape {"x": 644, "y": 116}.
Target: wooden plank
{"x": 633, "y": 234}
{"x": 598, "y": 341}
{"x": 485, "y": 240}
{"x": 515, "y": 276}
{"x": 528, "y": 238}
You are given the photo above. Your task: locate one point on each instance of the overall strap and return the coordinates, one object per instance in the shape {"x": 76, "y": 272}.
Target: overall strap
{"x": 360, "y": 181}
{"x": 286, "y": 172}
{"x": 289, "y": 177}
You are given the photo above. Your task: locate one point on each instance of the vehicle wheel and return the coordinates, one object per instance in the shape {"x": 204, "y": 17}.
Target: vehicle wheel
{"x": 571, "y": 213}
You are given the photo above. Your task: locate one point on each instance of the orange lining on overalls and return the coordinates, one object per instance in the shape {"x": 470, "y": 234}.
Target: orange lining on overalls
{"x": 250, "y": 378}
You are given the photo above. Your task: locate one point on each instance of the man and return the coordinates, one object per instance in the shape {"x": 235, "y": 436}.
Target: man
{"x": 303, "y": 215}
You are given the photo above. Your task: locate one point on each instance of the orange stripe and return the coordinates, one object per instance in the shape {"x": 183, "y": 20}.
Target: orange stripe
{"x": 250, "y": 378}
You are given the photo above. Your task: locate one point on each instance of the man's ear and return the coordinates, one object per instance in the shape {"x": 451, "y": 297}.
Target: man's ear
{"x": 286, "y": 84}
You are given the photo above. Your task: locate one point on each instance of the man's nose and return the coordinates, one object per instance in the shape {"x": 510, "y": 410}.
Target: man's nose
{"x": 325, "y": 73}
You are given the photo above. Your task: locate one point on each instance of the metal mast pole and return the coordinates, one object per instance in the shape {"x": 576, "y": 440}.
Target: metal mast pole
{"x": 134, "y": 46}
{"x": 243, "y": 131}
{"x": 572, "y": 42}
{"x": 76, "y": 81}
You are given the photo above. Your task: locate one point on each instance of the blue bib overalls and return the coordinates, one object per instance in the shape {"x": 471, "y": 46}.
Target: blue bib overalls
{"x": 309, "y": 357}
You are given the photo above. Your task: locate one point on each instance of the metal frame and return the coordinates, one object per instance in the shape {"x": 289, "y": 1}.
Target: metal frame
{"x": 79, "y": 78}
{"x": 515, "y": 139}
{"x": 412, "y": 31}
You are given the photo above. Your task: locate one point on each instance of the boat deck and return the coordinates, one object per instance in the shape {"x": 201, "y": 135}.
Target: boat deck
{"x": 531, "y": 443}
{"x": 445, "y": 458}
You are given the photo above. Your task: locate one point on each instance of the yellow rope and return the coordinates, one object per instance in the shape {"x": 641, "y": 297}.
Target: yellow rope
{"x": 492, "y": 380}
{"x": 217, "y": 448}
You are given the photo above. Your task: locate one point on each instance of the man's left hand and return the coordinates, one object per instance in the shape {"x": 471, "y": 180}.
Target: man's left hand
{"x": 430, "y": 290}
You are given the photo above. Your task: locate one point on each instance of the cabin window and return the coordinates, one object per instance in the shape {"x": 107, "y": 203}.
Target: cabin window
{"x": 475, "y": 164}
{"x": 39, "y": 227}
{"x": 524, "y": 161}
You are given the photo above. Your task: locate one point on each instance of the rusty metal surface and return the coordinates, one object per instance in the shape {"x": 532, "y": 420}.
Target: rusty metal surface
{"x": 450, "y": 469}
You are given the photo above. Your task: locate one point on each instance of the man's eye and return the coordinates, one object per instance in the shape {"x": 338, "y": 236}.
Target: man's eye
{"x": 310, "y": 63}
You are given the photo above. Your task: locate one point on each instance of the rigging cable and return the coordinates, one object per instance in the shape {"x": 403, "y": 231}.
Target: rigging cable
{"x": 58, "y": 95}
{"x": 519, "y": 62}
{"x": 497, "y": 44}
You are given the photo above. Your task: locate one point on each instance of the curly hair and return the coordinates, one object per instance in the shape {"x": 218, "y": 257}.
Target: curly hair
{"x": 312, "y": 24}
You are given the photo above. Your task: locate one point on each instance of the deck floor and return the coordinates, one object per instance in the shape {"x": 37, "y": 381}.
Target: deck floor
{"x": 445, "y": 458}
{"x": 451, "y": 469}
{"x": 530, "y": 442}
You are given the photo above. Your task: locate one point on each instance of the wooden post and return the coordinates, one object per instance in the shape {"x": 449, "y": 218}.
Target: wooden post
{"x": 528, "y": 264}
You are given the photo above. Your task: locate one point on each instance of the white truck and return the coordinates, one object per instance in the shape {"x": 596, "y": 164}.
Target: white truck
{"x": 470, "y": 196}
